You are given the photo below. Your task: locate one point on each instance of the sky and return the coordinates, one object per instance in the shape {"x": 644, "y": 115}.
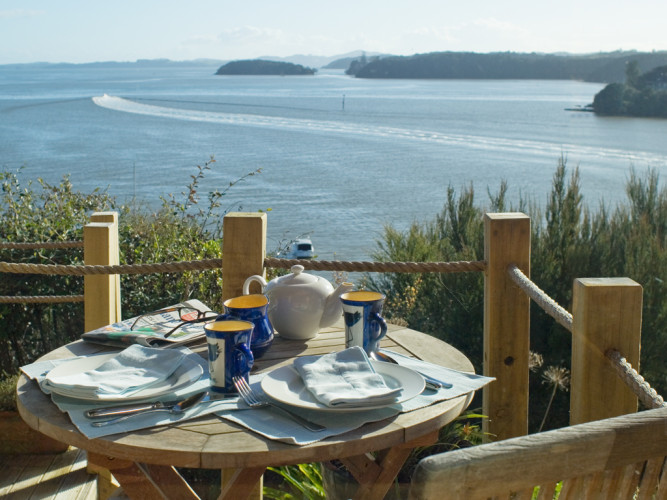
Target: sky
{"x": 86, "y": 31}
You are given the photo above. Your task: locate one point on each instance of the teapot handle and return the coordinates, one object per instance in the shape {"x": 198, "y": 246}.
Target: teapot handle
{"x": 256, "y": 277}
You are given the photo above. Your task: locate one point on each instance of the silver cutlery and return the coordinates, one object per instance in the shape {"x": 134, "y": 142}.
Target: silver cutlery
{"x": 431, "y": 383}
{"x": 129, "y": 411}
{"x": 254, "y": 400}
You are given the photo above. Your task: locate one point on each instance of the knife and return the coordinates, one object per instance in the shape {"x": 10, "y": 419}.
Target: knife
{"x": 129, "y": 410}
{"x": 431, "y": 383}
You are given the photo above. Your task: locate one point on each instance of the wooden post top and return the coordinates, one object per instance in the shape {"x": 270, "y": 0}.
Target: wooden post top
{"x": 590, "y": 282}
{"x": 506, "y": 215}
{"x": 246, "y": 215}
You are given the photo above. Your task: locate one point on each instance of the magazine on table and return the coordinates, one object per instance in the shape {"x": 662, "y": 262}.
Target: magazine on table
{"x": 152, "y": 330}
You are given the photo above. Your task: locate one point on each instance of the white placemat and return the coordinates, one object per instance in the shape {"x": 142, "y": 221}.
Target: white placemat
{"x": 266, "y": 422}
{"x": 273, "y": 425}
{"x": 75, "y": 408}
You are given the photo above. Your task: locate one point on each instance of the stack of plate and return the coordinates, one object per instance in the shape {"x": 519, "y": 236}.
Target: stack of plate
{"x": 189, "y": 371}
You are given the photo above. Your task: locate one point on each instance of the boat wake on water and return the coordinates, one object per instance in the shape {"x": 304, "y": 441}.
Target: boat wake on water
{"x": 368, "y": 130}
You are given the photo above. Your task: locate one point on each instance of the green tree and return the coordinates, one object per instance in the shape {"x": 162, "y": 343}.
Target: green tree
{"x": 632, "y": 74}
{"x": 609, "y": 101}
{"x": 569, "y": 241}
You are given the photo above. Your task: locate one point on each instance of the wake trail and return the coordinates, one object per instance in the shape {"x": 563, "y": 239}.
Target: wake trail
{"x": 540, "y": 148}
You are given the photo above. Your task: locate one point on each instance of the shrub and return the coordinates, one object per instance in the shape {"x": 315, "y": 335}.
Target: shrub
{"x": 181, "y": 228}
{"x": 569, "y": 241}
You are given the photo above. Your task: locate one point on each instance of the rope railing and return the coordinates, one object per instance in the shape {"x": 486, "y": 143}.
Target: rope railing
{"x": 642, "y": 389}
{"x": 46, "y": 244}
{"x": 647, "y": 394}
{"x": 208, "y": 264}
{"x": 82, "y": 270}
{"x": 550, "y": 306}
{"x": 378, "y": 267}
{"x": 41, "y": 299}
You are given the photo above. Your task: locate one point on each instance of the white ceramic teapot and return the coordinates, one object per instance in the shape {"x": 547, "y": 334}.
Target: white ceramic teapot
{"x": 300, "y": 303}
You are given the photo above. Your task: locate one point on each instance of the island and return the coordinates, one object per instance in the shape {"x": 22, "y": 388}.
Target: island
{"x": 642, "y": 95}
{"x": 599, "y": 67}
{"x": 263, "y": 67}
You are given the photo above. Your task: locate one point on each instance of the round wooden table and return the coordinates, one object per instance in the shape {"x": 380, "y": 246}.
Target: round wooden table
{"x": 143, "y": 461}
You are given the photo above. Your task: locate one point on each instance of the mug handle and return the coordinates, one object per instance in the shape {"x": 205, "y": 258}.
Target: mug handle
{"x": 256, "y": 277}
{"x": 376, "y": 318}
{"x": 243, "y": 360}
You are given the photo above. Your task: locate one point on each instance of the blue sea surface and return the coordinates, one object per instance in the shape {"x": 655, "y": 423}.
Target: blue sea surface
{"x": 340, "y": 157}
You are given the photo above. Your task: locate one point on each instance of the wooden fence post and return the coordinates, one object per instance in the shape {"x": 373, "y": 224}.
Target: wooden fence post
{"x": 243, "y": 253}
{"x": 101, "y": 300}
{"x": 101, "y": 292}
{"x": 243, "y": 250}
{"x": 607, "y": 314}
{"x": 506, "y": 325}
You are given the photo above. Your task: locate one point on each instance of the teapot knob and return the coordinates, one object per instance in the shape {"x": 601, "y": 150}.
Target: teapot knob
{"x": 297, "y": 269}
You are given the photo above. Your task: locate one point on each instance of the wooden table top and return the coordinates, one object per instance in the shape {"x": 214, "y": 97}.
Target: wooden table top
{"x": 212, "y": 443}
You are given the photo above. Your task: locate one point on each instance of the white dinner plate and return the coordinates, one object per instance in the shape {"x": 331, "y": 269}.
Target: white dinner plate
{"x": 189, "y": 371}
{"x": 284, "y": 384}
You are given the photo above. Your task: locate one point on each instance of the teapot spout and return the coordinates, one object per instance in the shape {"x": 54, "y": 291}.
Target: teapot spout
{"x": 333, "y": 308}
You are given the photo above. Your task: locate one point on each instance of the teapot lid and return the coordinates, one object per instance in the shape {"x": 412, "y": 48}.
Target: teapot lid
{"x": 298, "y": 277}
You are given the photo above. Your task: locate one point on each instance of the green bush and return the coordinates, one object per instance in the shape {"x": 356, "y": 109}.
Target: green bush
{"x": 38, "y": 213}
{"x": 183, "y": 227}
{"x": 569, "y": 241}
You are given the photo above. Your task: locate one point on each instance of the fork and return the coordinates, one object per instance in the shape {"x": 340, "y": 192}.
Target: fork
{"x": 254, "y": 400}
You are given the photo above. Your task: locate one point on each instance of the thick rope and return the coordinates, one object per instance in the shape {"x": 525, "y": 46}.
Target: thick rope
{"x": 197, "y": 265}
{"x": 81, "y": 270}
{"x": 48, "y": 244}
{"x": 41, "y": 299}
{"x": 628, "y": 374}
{"x": 549, "y": 305}
{"x": 378, "y": 267}
{"x": 635, "y": 381}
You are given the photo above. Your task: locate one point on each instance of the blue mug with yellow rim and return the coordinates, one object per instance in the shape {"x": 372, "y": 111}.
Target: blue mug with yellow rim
{"x": 229, "y": 353}
{"x": 364, "y": 327}
{"x": 251, "y": 308}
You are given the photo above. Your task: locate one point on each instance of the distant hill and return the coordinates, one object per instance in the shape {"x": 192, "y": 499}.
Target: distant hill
{"x": 345, "y": 62}
{"x": 262, "y": 67}
{"x": 602, "y": 67}
{"x": 123, "y": 64}
{"x": 316, "y": 61}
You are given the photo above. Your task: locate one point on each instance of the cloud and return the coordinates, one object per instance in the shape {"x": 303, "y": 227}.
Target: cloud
{"x": 481, "y": 34}
{"x": 18, "y": 13}
{"x": 494, "y": 24}
{"x": 252, "y": 41}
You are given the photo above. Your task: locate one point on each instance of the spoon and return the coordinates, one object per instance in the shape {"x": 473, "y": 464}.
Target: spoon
{"x": 431, "y": 383}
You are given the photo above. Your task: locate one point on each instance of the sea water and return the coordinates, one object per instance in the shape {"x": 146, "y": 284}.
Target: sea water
{"x": 340, "y": 157}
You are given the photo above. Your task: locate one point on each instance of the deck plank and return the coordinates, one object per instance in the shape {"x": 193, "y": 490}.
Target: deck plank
{"x": 58, "y": 477}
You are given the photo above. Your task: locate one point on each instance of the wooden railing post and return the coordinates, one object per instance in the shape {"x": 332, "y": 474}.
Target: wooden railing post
{"x": 607, "y": 314}
{"x": 101, "y": 300}
{"x": 243, "y": 250}
{"x": 101, "y": 292}
{"x": 506, "y": 325}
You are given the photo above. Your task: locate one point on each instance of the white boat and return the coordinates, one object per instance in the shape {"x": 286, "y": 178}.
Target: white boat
{"x": 302, "y": 248}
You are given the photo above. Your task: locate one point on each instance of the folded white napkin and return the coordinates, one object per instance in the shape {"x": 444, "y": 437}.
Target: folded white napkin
{"x": 131, "y": 370}
{"x": 344, "y": 378}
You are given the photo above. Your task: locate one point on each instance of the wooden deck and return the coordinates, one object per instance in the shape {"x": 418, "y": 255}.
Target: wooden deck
{"x": 59, "y": 476}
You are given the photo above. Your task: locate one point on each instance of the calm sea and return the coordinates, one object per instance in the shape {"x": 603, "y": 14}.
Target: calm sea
{"x": 340, "y": 157}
